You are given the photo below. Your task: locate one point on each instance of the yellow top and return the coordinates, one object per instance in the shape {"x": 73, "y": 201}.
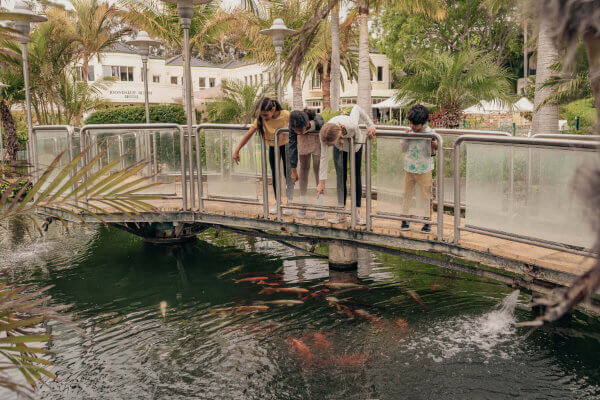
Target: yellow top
{"x": 271, "y": 126}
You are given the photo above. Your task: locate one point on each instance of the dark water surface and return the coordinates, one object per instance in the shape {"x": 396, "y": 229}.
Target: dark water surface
{"x": 150, "y": 332}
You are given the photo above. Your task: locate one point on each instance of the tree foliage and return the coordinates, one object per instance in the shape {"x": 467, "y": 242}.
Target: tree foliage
{"x": 238, "y": 103}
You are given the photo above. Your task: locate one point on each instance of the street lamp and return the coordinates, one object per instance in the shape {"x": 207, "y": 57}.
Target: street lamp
{"x": 23, "y": 17}
{"x": 143, "y": 42}
{"x": 278, "y": 31}
{"x": 2, "y": 86}
{"x": 185, "y": 9}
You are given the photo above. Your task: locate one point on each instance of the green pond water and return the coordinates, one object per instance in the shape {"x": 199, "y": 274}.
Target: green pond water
{"x": 150, "y": 330}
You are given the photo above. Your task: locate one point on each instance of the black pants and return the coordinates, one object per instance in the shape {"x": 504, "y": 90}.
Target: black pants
{"x": 340, "y": 160}
{"x": 272, "y": 164}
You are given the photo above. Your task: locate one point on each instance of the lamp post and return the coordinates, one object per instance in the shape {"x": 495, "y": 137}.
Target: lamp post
{"x": 143, "y": 42}
{"x": 23, "y": 17}
{"x": 185, "y": 9}
{"x": 2, "y": 86}
{"x": 278, "y": 31}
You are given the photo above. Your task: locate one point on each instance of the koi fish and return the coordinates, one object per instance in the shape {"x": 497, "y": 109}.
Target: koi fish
{"x": 413, "y": 295}
{"x": 352, "y": 360}
{"x": 241, "y": 309}
{"x": 402, "y": 323}
{"x": 365, "y": 315}
{"x": 315, "y": 295}
{"x": 163, "y": 308}
{"x": 341, "y": 285}
{"x": 293, "y": 290}
{"x": 285, "y": 302}
{"x": 320, "y": 341}
{"x": 301, "y": 348}
{"x": 267, "y": 283}
{"x": 253, "y": 279}
{"x": 230, "y": 270}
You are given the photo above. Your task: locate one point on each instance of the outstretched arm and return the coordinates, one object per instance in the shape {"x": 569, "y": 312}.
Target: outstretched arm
{"x": 243, "y": 142}
{"x": 359, "y": 115}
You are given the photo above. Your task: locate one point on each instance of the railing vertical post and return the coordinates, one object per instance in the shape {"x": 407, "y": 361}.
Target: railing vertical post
{"x": 221, "y": 155}
{"x": 265, "y": 183}
{"x": 276, "y": 176}
{"x": 440, "y": 188}
{"x": 457, "y": 192}
{"x": 199, "y": 169}
{"x": 368, "y": 183}
{"x": 191, "y": 166}
{"x": 121, "y": 150}
{"x": 353, "y": 188}
{"x": 155, "y": 155}
{"x": 183, "y": 170}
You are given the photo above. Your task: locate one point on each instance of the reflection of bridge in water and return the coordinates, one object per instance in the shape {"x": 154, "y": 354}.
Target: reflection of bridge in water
{"x": 520, "y": 221}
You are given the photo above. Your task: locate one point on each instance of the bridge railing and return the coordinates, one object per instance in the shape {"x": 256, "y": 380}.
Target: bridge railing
{"x": 160, "y": 144}
{"x": 593, "y": 138}
{"x": 331, "y": 201}
{"x": 388, "y": 169}
{"x": 223, "y": 179}
{"x": 520, "y": 189}
{"x": 48, "y": 142}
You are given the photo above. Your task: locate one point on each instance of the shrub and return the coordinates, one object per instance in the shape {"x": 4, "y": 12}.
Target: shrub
{"x": 171, "y": 114}
{"x": 8, "y": 185}
{"x": 584, "y": 109}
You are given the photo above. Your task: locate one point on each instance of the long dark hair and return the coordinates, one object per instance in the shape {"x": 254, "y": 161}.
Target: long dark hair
{"x": 265, "y": 104}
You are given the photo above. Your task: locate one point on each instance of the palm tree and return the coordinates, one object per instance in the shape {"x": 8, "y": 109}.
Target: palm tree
{"x": 238, "y": 103}
{"x": 454, "y": 81}
{"x": 335, "y": 59}
{"x": 434, "y": 8}
{"x": 573, "y": 83}
{"x": 8, "y": 96}
{"x": 96, "y": 28}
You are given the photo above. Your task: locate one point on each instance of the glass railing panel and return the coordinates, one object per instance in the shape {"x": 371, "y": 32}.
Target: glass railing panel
{"x": 527, "y": 191}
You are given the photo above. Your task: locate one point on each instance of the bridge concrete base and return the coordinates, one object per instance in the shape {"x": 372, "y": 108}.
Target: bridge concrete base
{"x": 164, "y": 232}
{"x": 343, "y": 256}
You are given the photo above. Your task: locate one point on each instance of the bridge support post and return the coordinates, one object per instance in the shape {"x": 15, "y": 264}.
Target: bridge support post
{"x": 343, "y": 256}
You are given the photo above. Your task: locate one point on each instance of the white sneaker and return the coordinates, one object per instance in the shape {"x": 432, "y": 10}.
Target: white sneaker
{"x": 302, "y": 213}
{"x": 273, "y": 210}
{"x": 287, "y": 211}
{"x": 320, "y": 215}
{"x": 360, "y": 220}
{"x": 338, "y": 219}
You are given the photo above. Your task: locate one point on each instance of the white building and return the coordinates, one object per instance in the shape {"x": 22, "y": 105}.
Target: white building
{"x": 165, "y": 79}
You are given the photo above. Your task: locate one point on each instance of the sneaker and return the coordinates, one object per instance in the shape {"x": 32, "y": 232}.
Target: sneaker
{"x": 426, "y": 228}
{"x": 287, "y": 211}
{"x": 405, "y": 226}
{"x": 320, "y": 215}
{"x": 360, "y": 220}
{"x": 273, "y": 210}
{"x": 302, "y": 213}
{"x": 338, "y": 219}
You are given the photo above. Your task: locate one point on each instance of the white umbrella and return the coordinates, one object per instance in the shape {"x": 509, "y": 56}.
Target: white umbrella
{"x": 524, "y": 105}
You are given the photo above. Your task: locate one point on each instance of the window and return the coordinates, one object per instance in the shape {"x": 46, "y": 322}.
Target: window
{"x": 156, "y": 78}
{"x": 379, "y": 74}
{"x": 173, "y": 80}
{"x": 246, "y": 80}
{"x": 202, "y": 83}
{"x": 316, "y": 80}
{"x": 91, "y": 76}
{"x": 78, "y": 73}
{"x": 120, "y": 73}
{"x": 212, "y": 82}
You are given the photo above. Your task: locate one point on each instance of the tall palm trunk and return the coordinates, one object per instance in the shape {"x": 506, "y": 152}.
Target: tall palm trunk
{"x": 326, "y": 86}
{"x": 545, "y": 118}
{"x": 364, "y": 67}
{"x": 592, "y": 45}
{"x": 335, "y": 59}
{"x": 297, "y": 101}
{"x": 85, "y": 62}
{"x": 11, "y": 142}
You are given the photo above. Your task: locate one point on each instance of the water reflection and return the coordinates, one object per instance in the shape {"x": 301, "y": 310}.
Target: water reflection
{"x": 174, "y": 322}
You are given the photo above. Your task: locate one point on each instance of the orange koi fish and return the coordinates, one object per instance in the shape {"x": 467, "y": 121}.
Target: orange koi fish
{"x": 321, "y": 342}
{"x": 402, "y": 323}
{"x": 365, "y": 315}
{"x": 352, "y": 360}
{"x": 301, "y": 348}
{"x": 413, "y": 295}
{"x": 293, "y": 290}
{"x": 241, "y": 309}
{"x": 314, "y": 295}
{"x": 253, "y": 279}
{"x": 267, "y": 283}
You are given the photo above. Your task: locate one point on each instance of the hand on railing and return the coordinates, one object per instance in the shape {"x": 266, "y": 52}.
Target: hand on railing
{"x": 320, "y": 188}
{"x": 236, "y": 156}
{"x": 371, "y": 132}
{"x": 294, "y": 175}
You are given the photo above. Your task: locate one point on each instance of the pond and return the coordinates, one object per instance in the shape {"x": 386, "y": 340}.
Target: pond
{"x": 176, "y": 322}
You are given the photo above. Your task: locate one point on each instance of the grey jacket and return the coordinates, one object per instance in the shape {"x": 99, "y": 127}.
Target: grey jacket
{"x": 316, "y": 125}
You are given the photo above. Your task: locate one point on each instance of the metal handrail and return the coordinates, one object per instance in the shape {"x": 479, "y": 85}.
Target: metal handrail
{"x": 245, "y": 127}
{"x": 568, "y": 137}
{"x": 440, "y": 177}
{"x": 70, "y": 132}
{"x": 85, "y": 132}
{"x": 537, "y": 142}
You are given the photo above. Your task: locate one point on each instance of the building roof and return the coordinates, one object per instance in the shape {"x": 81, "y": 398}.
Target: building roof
{"x": 235, "y": 64}
{"x": 196, "y": 62}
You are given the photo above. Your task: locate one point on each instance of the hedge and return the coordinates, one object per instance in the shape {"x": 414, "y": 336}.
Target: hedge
{"x": 172, "y": 114}
{"x": 584, "y": 109}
